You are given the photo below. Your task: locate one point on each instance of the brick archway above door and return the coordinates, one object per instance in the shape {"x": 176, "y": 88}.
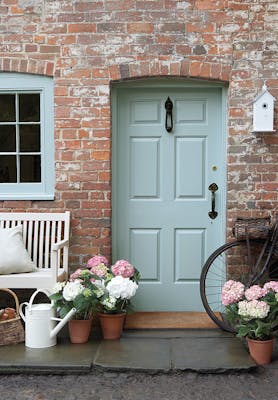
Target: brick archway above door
{"x": 149, "y": 68}
{"x": 163, "y": 68}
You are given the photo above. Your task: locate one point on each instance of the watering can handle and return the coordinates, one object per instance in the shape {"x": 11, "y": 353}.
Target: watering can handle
{"x": 45, "y": 291}
{"x": 21, "y": 310}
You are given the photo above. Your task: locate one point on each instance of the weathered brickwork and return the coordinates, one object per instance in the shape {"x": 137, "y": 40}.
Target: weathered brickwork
{"x": 86, "y": 44}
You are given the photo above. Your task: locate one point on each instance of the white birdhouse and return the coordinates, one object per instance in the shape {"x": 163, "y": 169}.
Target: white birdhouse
{"x": 263, "y": 112}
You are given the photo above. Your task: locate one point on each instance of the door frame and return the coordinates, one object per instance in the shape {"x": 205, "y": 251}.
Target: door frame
{"x": 166, "y": 83}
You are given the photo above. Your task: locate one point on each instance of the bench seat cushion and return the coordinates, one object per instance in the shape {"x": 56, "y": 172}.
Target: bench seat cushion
{"x": 14, "y": 258}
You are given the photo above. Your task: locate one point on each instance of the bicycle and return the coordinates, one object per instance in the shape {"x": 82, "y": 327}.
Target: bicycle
{"x": 251, "y": 259}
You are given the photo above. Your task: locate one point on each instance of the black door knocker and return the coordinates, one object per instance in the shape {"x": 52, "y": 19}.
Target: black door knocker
{"x": 169, "y": 115}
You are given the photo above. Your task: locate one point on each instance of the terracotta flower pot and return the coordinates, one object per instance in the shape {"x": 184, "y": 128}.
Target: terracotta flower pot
{"x": 79, "y": 330}
{"x": 260, "y": 350}
{"x": 112, "y": 325}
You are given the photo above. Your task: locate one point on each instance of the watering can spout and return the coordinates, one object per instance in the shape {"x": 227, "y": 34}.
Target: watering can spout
{"x": 62, "y": 322}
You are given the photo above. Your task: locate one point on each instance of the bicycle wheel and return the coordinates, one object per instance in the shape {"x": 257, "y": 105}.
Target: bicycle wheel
{"x": 230, "y": 261}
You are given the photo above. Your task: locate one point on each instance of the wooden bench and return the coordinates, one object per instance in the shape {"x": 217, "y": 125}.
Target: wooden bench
{"x": 46, "y": 238}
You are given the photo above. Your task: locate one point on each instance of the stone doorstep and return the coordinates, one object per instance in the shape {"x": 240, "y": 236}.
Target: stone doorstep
{"x": 210, "y": 351}
{"x": 178, "y": 354}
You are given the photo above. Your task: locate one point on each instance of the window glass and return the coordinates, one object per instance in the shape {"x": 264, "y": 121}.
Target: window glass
{"x": 7, "y": 138}
{"x": 7, "y": 107}
{"x": 29, "y": 107}
{"x": 7, "y": 169}
{"x": 30, "y": 169}
{"x": 29, "y": 138}
{"x": 23, "y": 137}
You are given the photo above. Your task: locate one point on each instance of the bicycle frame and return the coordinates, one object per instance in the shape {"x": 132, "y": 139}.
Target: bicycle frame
{"x": 268, "y": 248}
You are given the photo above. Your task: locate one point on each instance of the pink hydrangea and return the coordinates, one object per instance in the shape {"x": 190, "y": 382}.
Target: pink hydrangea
{"x": 123, "y": 268}
{"x": 75, "y": 274}
{"x": 272, "y": 285}
{"x": 232, "y": 292}
{"x": 96, "y": 260}
{"x": 255, "y": 292}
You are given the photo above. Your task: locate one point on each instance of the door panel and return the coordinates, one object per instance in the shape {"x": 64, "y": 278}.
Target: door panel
{"x": 140, "y": 240}
{"x": 189, "y": 250}
{"x": 190, "y": 156}
{"x": 190, "y": 111}
{"x": 160, "y": 191}
{"x": 145, "y": 185}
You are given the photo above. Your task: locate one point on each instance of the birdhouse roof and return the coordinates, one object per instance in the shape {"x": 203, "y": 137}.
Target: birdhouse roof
{"x": 263, "y": 93}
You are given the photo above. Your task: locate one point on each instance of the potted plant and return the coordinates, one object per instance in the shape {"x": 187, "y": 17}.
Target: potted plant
{"x": 79, "y": 293}
{"x": 254, "y": 313}
{"x": 115, "y": 288}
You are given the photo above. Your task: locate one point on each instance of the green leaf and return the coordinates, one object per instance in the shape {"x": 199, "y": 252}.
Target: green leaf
{"x": 243, "y": 331}
{"x": 64, "y": 310}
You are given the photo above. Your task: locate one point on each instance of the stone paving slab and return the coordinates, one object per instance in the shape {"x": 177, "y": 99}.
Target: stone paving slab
{"x": 139, "y": 354}
{"x": 65, "y": 357}
{"x": 210, "y": 355}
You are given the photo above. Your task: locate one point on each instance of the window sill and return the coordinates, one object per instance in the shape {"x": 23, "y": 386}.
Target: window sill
{"x": 27, "y": 197}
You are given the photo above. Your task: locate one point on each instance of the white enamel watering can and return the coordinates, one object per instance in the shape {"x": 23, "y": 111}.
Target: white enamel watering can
{"x": 40, "y": 329}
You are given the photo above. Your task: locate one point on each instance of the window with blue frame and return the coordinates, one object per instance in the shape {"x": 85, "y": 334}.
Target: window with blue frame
{"x": 26, "y": 137}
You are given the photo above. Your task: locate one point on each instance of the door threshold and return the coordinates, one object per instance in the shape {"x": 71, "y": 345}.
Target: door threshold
{"x": 169, "y": 320}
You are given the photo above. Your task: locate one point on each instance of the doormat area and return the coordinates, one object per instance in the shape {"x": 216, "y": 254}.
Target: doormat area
{"x": 169, "y": 320}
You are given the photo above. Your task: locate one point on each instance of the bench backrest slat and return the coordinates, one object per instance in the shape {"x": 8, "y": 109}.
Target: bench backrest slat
{"x": 41, "y": 242}
{"x": 35, "y": 240}
{"x": 29, "y": 237}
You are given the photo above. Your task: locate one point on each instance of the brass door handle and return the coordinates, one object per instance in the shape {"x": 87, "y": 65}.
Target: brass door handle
{"x": 213, "y": 188}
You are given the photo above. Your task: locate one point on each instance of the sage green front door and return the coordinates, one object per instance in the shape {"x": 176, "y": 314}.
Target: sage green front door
{"x": 161, "y": 196}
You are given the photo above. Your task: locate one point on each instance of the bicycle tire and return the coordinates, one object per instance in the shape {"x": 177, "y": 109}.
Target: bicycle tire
{"x": 229, "y": 261}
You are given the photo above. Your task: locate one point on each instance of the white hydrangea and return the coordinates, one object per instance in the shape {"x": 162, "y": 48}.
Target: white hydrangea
{"x": 58, "y": 287}
{"x": 72, "y": 289}
{"x": 100, "y": 283}
{"x": 99, "y": 292}
{"x": 109, "y": 302}
{"x": 120, "y": 287}
{"x": 253, "y": 309}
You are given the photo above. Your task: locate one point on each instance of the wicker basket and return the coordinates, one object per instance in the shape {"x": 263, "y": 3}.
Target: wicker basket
{"x": 11, "y": 330}
{"x": 253, "y": 228}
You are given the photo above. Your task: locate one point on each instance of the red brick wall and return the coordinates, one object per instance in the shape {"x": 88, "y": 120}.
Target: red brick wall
{"x": 85, "y": 45}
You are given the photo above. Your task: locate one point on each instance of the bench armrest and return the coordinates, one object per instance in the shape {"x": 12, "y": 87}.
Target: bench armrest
{"x": 57, "y": 246}
{"x": 55, "y": 259}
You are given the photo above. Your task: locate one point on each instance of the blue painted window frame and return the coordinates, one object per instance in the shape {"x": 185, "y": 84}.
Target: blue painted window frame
{"x": 27, "y": 83}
